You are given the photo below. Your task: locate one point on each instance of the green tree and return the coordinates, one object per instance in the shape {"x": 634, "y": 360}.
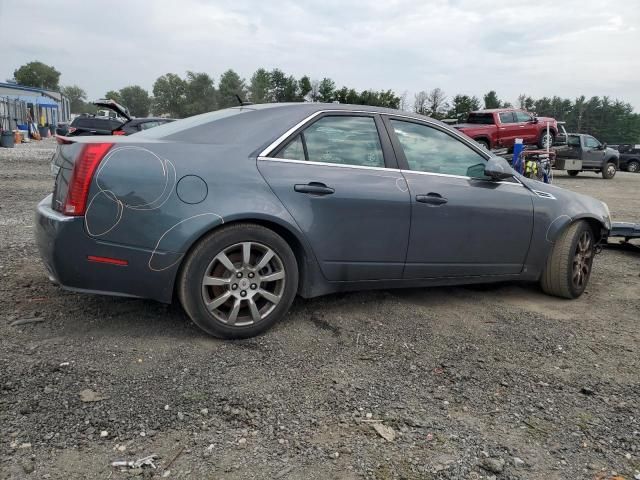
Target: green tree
{"x": 304, "y": 86}
{"x": 259, "y": 86}
{"x": 278, "y": 85}
{"x": 461, "y": 105}
{"x": 230, "y": 85}
{"x": 37, "y": 74}
{"x": 136, "y": 99}
{"x": 525, "y": 102}
{"x": 491, "y": 100}
{"x": 291, "y": 90}
{"x": 169, "y": 94}
{"x": 113, "y": 95}
{"x": 325, "y": 90}
{"x": 77, "y": 97}
{"x": 200, "y": 94}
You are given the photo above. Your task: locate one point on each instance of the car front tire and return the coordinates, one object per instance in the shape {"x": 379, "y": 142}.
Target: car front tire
{"x": 238, "y": 281}
{"x": 569, "y": 264}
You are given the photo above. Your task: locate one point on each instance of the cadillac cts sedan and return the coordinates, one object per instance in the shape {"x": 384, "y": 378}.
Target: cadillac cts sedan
{"x": 237, "y": 211}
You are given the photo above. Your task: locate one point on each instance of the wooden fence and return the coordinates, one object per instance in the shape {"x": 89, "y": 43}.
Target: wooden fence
{"x": 12, "y": 113}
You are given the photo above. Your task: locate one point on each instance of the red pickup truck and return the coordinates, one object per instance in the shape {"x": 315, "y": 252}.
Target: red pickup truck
{"x": 499, "y": 128}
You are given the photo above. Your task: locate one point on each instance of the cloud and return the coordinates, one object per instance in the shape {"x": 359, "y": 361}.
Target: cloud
{"x": 568, "y": 47}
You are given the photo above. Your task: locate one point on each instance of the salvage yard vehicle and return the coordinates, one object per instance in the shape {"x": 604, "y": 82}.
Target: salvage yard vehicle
{"x": 584, "y": 153}
{"x": 629, "y": 157}
{"x": 120, "y": 123}
{"x": 499, "y": 128}
{"x": 237, "y": 211}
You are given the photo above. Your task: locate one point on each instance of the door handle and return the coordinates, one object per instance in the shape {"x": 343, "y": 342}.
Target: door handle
{"x": 431, "y": 198}
{"x": 314, "y": 188}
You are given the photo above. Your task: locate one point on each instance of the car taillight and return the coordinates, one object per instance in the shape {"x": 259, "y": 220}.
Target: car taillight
{"x": 83, "y": 170}
{"x": 118, "y": 132}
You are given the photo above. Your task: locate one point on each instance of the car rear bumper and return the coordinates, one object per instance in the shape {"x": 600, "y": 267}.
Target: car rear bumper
{"x": 65, "y": 249}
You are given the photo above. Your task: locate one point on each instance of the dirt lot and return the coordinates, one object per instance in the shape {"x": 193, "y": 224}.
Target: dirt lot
{"x": 485, "y": 382}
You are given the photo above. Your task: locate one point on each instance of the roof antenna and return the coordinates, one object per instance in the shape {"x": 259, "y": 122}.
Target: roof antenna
{"x": 242, "y": 102}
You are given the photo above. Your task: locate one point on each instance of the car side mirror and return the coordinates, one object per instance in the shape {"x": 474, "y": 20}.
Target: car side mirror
{"x": 535, "y": 120}
{"x": 604, "y": 146}
{"x": 498, "y": 168}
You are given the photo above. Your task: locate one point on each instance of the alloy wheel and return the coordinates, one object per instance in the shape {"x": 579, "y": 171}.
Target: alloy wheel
{"x": 611, "y": 169}
{"x": 243, "y": 283}
{"x": 546, "y": 140}
{"x": 633, "y": 167}
{"x": 582, "y": 260}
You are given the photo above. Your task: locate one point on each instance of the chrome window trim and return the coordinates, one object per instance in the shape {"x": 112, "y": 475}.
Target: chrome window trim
{"x": 325, "y": 164}
{"x": 464, "y": 177}
{"x": 264, "y": 155}
{"x": 364, "y": 167}
{"x": 466, "y": 140}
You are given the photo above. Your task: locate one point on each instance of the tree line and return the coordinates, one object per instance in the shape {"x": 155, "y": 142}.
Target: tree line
{"x": 610, "y": 120}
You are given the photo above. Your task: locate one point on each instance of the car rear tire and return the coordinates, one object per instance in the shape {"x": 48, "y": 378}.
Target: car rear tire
{"x": 569, "y": 264}
{"x": 573, "y": 173}
{"x": 544, "y": 138}
{"x": 238, "y": 281}
{"x": 633, "y": 166}
{"x": 609, "y": 171}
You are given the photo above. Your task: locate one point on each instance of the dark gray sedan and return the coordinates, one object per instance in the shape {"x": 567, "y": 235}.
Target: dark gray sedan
{"x": 235, "y": 212}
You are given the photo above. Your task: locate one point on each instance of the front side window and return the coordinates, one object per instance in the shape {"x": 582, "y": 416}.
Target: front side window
{"x": 591, "y": 142}
{"x": 507, "y": 117}
{"x": 340, "y": 139}
{"x": 523, "y": 117}
{"x": 428, "y": 149}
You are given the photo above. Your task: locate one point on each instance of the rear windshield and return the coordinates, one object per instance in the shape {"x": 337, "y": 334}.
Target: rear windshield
{"x": 171, "y": 128}
{"x": 95, "y": 123}
{"x": 480, "y": 118}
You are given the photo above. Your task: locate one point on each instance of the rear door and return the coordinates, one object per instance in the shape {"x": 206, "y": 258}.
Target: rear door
{"x": 338, "y": 179}
{"x": 507, "y": 129}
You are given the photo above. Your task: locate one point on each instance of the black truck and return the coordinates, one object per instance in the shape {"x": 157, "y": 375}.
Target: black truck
{"x": 584, "y": 153}
{"x": 629, "y": 157}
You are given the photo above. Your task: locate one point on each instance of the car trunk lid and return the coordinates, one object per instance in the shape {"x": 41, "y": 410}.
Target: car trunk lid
{"x": 114, "y": 106}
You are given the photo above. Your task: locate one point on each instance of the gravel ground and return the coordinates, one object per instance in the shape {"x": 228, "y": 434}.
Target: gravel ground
{"x": 481, "y": 382}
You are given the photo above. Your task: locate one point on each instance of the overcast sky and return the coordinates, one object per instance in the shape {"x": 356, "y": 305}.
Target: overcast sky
{"x": 563, "y": 47}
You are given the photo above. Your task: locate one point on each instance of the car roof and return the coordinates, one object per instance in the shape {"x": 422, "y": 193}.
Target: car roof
{"x": 248, "y": 129}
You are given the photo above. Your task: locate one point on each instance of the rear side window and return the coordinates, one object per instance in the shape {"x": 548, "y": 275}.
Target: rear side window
{"x": 343, "y": 140}
{"x": 480, "y": 118}
{"x": 431, "y": 150}
{"x": 146, "y": 125}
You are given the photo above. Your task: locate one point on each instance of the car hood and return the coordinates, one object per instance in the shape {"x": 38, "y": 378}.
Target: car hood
{"x": 612, "y": 151}
{"x": 576, "y": 205}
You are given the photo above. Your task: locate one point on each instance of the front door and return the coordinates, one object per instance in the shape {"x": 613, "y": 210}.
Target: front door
{"x": 592, "y": 152}
{"x": 528, "y": 129}
{"x": 462, "y": 223}
{"x": 333, "y": 178}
